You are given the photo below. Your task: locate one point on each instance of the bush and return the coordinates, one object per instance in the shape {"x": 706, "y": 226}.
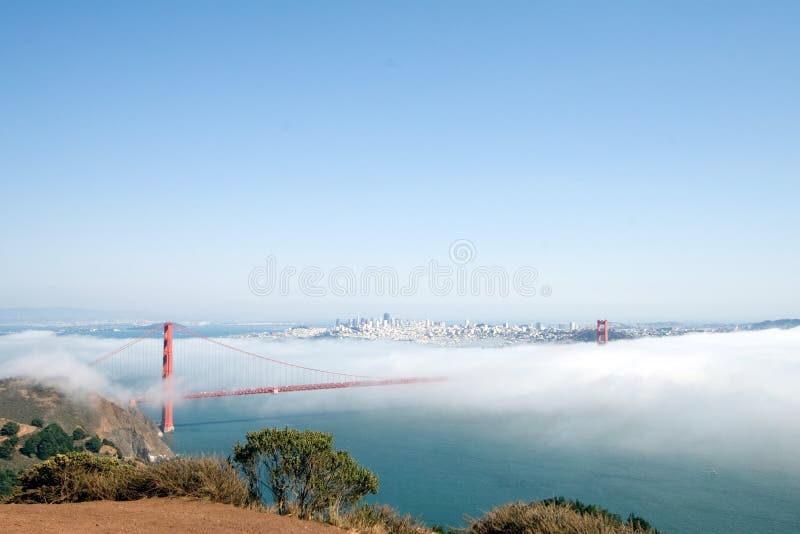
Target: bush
{"x": 9, "y": 429}
{"x": 8, "y": 481}
{"x": 210, "y": 479}
{"x": 7, "y": 449}
{"x": 82, "y": 476}
{"x": 639, "y": 524}
{"x": 374, "y": 518}
{"x": 37, "y": 421}
{"x": 554, "y": 515}
{"x": 303, "y": 472}
{"x": 93, "y": 444}
{"x": 48, "y": 442}
{"x": 77, "y": 477}
{"x": 583, "y": 509}
{"x": 79, "y": 434}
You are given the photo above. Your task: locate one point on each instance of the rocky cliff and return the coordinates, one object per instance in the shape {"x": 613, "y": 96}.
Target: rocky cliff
{"x": 134, "y": 435}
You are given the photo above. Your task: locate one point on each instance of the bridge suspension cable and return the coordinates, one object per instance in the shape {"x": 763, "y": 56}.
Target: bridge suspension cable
{"x": 149, "y": 332}
{"x": 201, "y": 367}
{"x": 266, "y": 358}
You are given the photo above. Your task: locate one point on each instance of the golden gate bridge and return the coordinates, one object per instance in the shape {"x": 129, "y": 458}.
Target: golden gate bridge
{"x": 208, "y": 367}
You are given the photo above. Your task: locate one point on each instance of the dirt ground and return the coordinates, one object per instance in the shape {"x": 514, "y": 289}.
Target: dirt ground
{"x": 149, "y": 515}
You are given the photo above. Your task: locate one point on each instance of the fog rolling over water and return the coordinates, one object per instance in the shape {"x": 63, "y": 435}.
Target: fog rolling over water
{"x": 733, "y": 397}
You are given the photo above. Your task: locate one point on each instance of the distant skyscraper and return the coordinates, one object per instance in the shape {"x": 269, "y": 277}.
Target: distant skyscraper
{"x": 387, "y": 317}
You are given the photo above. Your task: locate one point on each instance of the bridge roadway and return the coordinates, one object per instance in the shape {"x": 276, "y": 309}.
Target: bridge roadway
{"x": 274, "y": 390}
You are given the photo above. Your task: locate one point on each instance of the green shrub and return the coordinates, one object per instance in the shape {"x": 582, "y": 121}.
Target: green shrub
{"x": 77, "y": 477}
{"x": 29, "y": 448}
{"x": 79, "y": 434}
{"x": 639, "y": 524}
{"x": 37, "y": 421}
{"x": 7, "y": 449}
{"x": 303, "y": 472}
{"x": 9, "y": 429}
{"x": 8, "y": 481}
{"x": 47, "y": 442}
{"x": 93, "y": 444}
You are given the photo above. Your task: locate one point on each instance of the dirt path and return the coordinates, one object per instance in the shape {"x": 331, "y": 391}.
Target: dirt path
{"x": 149, "y": 515}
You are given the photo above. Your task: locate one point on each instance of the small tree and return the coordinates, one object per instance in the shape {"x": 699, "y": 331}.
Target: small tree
{"x": 8, "y": 480}
{"x": 7, "y": 449}
{"x": 37, "y": 421}
{"x": 9, "y": 429}
{"x": 29, "y": 448}
{"x": 47, "y": 442}
{"x": 93, "y": 444}
{"x": 302, "y": 471}
{"x": 79, "y": 434}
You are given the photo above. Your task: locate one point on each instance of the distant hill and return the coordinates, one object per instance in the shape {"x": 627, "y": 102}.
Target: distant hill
{"x": 778, "y": 323}
{"x": 133, "y": 434}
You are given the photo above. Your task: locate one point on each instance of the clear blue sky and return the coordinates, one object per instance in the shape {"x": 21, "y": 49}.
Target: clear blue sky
{"x": 643, "y": 156}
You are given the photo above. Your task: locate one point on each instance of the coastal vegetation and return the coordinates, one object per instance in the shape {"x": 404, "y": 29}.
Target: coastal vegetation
{"x": 287, "y": 471}
{"x": 10, "y": 428}
{"x": 556, "y": 515}
{"x": 39, "y": 420}
{"x": 8, "y": 481}
{"x": 49, "y": 441}
{"x": 82, "y": 476}
{"x": 303, "y": 472}
{"x": 8, "y": 447}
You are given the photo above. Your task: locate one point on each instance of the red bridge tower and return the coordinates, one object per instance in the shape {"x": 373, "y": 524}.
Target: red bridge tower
{"x": 602, "y": 331}
{"x": 166, "y": 381}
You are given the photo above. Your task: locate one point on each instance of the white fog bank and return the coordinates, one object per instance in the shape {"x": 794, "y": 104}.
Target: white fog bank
{"x": 734, "y": 394}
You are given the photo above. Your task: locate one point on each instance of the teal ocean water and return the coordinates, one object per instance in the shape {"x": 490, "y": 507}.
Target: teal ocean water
{"x": 443, "y": 466}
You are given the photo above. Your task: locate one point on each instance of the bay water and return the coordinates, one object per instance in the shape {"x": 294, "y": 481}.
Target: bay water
{"x": 444, "y": 467}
